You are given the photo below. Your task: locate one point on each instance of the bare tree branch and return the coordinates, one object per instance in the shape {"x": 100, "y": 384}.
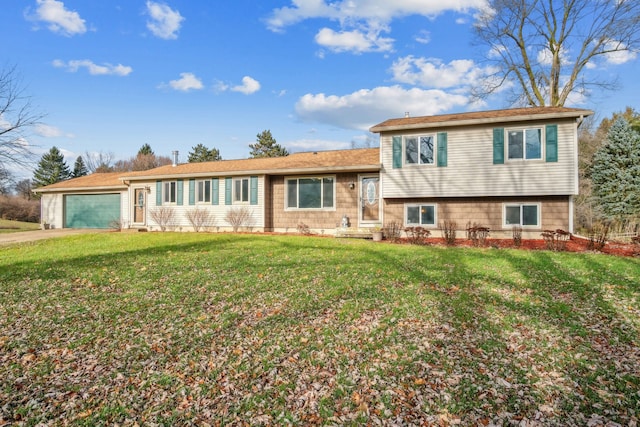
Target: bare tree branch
{"x": 545, "y": 51}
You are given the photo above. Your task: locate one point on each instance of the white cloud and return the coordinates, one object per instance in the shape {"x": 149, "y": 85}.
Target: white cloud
{"x": 424, "y": 37}
{"x": 165, "y": 22}
{"x": 186, "y": 82}
{"x": 248, "y": 86}
{"x": 354, "y": 41}
{"x": 366, "y": 107}
{"x": 430, "y": 72}
{"x": 315, "y": 145}
{"x": 48, "y": 131}
{"x": 619, "y": 54}
{"x": 59, "y": 19}
{"x": 361, "y": 22}
{"x": 365, "y": 10}
{"x": 93, "y": 68}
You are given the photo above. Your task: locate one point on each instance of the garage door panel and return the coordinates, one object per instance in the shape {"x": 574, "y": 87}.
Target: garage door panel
{"x": 91, "y": 210}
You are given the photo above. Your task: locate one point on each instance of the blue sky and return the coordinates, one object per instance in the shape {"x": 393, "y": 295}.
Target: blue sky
{"x": 112, "y": 75}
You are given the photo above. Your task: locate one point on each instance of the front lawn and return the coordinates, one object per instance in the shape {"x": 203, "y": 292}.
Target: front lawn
{"x": 172, "y": 329}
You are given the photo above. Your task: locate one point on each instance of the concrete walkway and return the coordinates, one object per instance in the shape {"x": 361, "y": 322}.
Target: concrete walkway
{"x": 30, "y": 236}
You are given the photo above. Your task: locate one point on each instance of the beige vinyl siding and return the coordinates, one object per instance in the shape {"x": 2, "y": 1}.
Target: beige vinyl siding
{"x": 52, "y": 210}
{"x": 471, "y": 173}
{"x": 217, "y": 212}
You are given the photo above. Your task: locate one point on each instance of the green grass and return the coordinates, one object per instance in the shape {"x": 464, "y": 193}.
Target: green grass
{"x": 164, "y": 328}
{"x": 7, "y": 226}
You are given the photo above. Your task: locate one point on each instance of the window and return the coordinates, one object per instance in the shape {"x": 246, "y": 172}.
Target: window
{"x": 524, "y": 144}
{"x": 310, "y": 193}
{"x": 169, "y": 192}
{"x": 420, "y": 215}
{"x": 525, "y": 215}
{"x": 204, "y": 191}
{"x": 241, "y": 190}
{"x": 418, "y": 150}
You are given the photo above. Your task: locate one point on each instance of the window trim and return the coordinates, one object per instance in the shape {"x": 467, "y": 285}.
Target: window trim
{"x": 543, "y": 138}
{"x": 434, "y": 154}
{"x": 166, "y": 192}
{"x": 520, "y": 205}
{"x": 203, "y": 182}
{"x": 419, "y": 206}
{"x": 322, "y": 191}
{"x": 241, "y": 201}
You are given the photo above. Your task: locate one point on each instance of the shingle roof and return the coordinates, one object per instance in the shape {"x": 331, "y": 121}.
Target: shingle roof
{"x": 479, "y": 117}
{"x": 362, "y": 160}
{"x": 106, "y": 181}
{"x": 366, "y": 159}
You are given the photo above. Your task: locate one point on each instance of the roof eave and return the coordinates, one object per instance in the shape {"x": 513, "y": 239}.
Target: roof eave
{"x": 87, "y": 188}
{"x": 488, "y": 120}
{"x": 290, "y": 171}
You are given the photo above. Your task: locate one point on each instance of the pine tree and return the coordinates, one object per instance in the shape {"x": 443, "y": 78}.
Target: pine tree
{"x": 51, "y": 169}
{"x": 200, "y": 153}
{"x": 615, "y": 173}
{"x": 266, "y": 146}
{"x": 145, "y": 150}
{"x": 79, "y": 168}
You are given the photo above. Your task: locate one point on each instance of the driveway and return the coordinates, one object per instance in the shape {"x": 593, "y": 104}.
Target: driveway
{"x": 30, "y": 236}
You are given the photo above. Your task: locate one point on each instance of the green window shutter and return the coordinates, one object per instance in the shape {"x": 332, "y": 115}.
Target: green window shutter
{"x": 397, "y": 152}
{"x": 253, "y": 190}
{"x": 227, "y": 190}
{"x": 192, "y": 191}
{"x": 215, "y": 191}
{"x": 551, "y": 147}
{"x": 158, "y": 193}
{"x": 179, "y": 192}
{"x": 442, "y": 149}
{"x": 498, "y": 146}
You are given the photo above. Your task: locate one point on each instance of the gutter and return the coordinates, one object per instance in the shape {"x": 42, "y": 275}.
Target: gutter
{"x": 269, "y": 172}
{"x": 67, "y": 189}
{"x": 469, "y": 122}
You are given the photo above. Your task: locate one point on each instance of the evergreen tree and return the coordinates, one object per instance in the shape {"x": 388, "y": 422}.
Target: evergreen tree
{"x": 51, "y": 169}
{"x": 266, "y": 146}
{"x": 200, "y": 153}
{"x": 79, "y": 168}
{"x": 145, "y": 150}
{"x": 615, "y": 173}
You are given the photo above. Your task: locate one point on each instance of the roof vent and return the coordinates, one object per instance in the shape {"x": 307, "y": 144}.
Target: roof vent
{"x": 174, "y": 156}
{"x": 406, "y": 115}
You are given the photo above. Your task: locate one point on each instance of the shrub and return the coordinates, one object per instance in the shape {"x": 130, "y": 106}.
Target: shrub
{"x": 448, "y": 228}
{"x": 392, "y": 230}
{"x": 556, "y": 240}
{"x": 19, "y": 209}
{"x": 304, "y": 229}
{"x": 417, "y": 235}
{"x": 598, "y": 237}
{"x": 477, "y": 234}
{"x": 199, "y": 218}
{"x": 516, "y": 232}
{"x": 163, "y": 216}
{"x": 238, "y": 217}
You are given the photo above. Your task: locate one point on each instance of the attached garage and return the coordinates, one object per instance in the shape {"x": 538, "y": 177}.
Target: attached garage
{"x": 91, "y": 210}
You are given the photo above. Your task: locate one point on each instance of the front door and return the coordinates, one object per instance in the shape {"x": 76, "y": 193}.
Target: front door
{"x": 369, "y": 199}
{"x": 138, "y": 206}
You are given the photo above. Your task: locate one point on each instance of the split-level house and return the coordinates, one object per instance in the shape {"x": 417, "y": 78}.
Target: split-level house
{"x": 499, "y": 169}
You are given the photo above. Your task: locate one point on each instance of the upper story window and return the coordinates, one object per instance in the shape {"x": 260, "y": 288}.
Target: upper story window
{"x": 524, "y": 144}
{"x": 203, "y": 191}
{"x": 241, "y": 190}
{"x": 170, "y": 190}
{"x": 418, "y": 150}
{"x": 310, "y": 193}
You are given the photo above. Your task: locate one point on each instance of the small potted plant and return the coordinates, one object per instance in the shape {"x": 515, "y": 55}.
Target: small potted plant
{"x": 45, "y": 224}
{"x": 377, "y": 233}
